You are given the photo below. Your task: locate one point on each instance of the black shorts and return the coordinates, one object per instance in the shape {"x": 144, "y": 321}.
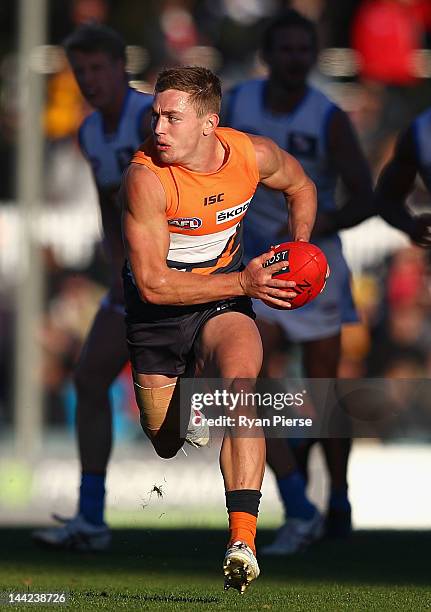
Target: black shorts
{"x": 161, "y": 338}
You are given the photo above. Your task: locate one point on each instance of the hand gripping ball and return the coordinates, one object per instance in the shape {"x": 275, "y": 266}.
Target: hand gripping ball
{"x": 306, "y": 265}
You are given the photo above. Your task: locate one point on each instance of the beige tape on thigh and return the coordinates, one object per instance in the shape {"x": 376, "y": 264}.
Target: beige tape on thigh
{"x": 153, "y": 405}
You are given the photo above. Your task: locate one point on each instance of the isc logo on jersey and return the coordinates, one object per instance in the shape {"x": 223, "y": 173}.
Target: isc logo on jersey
{"x": 189, "y": 223}
{"x": 223, "y": 216}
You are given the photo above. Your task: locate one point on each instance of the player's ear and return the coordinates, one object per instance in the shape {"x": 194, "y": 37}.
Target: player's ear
{"x": 211, "y": 123}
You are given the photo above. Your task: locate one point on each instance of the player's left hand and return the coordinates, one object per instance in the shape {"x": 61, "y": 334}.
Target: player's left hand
{"x": 257, "y": 281}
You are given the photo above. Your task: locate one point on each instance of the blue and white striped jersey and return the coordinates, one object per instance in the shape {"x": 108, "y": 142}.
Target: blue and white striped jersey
{"x": 303, "y": 133}
{"x": 109, "y": 154}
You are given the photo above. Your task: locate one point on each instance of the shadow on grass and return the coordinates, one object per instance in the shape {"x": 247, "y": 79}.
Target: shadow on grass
{"x": 368, "y": 557}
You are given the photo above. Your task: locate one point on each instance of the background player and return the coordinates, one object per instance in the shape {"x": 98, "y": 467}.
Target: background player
{"x": 108, "y": 138}
{"x": 187, "y": 300}
{"x": 305, "y": 122}
{"x": 412, "y": 157}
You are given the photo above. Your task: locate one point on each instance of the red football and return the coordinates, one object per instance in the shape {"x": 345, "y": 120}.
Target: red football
{"x": 306, "y": 265}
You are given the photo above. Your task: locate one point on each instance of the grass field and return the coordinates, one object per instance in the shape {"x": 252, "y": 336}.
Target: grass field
{"x": 180, "y": 570}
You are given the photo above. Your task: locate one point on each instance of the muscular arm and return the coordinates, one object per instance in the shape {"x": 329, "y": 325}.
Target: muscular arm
{"x": 395, "y": 183}
{"x": 280, "y": 171}
{"x": 146, "y": 238}
{"x": 352, "y": 168}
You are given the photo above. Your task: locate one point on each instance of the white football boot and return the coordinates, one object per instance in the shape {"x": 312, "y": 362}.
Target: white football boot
{"x": 295, "y": 535}
{"x": 240, "y": 567}
{"x": 74, "y": 534}
{"x": 198, "y": 431}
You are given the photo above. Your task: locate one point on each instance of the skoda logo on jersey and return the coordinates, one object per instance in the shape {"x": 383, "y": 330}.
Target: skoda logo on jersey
{"x": 189, "y": 223}
{"x": 223, "y": 216}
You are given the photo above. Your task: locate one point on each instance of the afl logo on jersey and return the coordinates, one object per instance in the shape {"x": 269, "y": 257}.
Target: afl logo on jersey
{"x": 223, "y": 216}
{"x": 189, "y": 223}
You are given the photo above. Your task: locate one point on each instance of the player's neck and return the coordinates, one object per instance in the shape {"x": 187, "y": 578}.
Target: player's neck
{"x": 112, "y": 114}
{"x": 209, "y": 157}
{"x": 280, "y": 99}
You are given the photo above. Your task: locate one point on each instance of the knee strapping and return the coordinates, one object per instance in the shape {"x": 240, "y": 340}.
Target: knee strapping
{"x": 153, "y": 405}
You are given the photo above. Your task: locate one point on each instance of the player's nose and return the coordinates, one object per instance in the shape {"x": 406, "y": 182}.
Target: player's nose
{"x": 159, "y": 125}
{"x": 87, "y": 79}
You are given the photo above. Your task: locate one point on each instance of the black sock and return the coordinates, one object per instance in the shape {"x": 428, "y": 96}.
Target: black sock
{"x": 243, "y": 500}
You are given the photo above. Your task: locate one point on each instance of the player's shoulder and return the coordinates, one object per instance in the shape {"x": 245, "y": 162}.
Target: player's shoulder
{"x": 140, "y": 98}
{"x": 320, "y": 94}
{"x": 238, "y": 140}
{"x": 91, "y": 120}
{"x": 229, "y": 132}
{"x": 246, "y": 85}
{"x": 86, "y": 130}
{"x": 327, "y": 111}
{"x": 145, "y": 179}
{"x": 267, "y": 152}
{"x": 235, "y": 97}
{"x": 321, "y": 104}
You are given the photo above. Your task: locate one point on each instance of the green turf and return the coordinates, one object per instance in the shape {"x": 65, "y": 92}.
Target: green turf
{"x": 180, "y": 570}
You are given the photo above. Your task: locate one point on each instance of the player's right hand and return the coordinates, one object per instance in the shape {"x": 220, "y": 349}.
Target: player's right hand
{"x": 421, "y": 233}
{"x": 257, "y": 281}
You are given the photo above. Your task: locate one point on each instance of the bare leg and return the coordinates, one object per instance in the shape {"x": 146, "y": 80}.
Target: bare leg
{"x": 321, "y": 358}
{"x": 161, "y": 419}
{"x": 231, "y": 341}
{"x": 279, "y": 456}
{"x": 102, "y": 358}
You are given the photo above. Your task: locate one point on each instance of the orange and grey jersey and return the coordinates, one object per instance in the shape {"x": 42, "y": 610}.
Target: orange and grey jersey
{"x": 422, "y": 136}
{"x": 110, "y": 153}
{"x": 204, "y": 210}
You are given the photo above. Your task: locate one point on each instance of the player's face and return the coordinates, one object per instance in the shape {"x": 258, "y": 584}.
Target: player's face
{"x": 97, "y": 75}
{"x": 176, "y": 127}
{"x": 291, "y": 57}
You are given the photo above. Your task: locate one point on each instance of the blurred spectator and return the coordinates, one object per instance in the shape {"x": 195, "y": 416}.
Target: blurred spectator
{"x": 84, "y": 11}
{"x": 401, "y": 340}
{"x": 386, "y": 34}
{"x": 65, "y": 107}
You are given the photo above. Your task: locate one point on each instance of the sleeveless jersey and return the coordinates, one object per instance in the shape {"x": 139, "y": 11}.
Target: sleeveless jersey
{"x": 303, "y": 134}
{"x": 422, "y": 136}
{"x": 109, "y": 154}
{"x": 204, "y": 210}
